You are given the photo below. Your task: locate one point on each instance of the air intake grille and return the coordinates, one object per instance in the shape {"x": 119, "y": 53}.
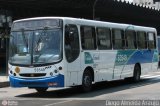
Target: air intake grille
{"x": 32, "y": 83}
{"x": 33, "y": 75}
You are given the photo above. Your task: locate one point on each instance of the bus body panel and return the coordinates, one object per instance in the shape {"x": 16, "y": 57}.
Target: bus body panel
{"x": 107, "y": 60}
{"x": 120, "y": 64}
{"x": 90, "y": 58}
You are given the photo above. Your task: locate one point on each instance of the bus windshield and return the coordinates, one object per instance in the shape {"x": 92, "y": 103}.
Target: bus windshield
{"x": 39, "y": 46}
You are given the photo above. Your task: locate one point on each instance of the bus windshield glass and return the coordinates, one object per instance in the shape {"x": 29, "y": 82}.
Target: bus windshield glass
{"x": 37, "y": 46}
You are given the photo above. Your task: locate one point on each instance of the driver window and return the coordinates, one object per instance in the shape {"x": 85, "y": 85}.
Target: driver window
{"x": 71, "y": 43}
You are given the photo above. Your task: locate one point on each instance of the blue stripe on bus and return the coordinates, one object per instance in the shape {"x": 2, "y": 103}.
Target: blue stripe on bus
{"x": 143, "y": 56}
{"x": 41, "y": 82}
{"x": 126, "y": 57}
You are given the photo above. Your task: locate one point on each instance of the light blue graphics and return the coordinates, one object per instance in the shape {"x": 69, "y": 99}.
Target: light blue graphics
{"x": 126, "y": 57}
{"x": 155, "y": 56}
{"x": 88, "y": 58}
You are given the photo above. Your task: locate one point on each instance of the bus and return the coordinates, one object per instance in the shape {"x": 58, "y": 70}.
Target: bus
{"x": 62, "y": 52}
{"x": 158, "y": 40}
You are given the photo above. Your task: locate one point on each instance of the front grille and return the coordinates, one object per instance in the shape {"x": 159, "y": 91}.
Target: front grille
{"x": 33, "y": 75}
{"x": 32, "y": 83}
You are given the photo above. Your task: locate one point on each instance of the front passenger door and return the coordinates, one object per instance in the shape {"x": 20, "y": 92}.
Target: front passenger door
{"x": 72, "y": 51}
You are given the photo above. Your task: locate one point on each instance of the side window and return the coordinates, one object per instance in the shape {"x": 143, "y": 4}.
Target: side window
{"x": 141, "y": 39}
{"x": 88, "y": 39}
{"x": 130, "y": 39}
{"x": 72, "y": 48}
{"x": 104, "y": 38}
{"x": 118, "y": 39}
{"x": 151, "y": 40}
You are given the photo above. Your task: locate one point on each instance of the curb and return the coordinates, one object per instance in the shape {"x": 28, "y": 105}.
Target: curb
{"x": 4, "y": 84}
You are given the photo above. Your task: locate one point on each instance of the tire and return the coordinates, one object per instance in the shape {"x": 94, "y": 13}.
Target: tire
{"x": 87, "y": 81}
{"x": 41, "y": 90}
{"x": 137, "y": 73}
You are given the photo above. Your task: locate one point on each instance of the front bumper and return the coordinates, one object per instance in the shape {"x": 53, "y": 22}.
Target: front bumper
{"x": 57, "y": 81}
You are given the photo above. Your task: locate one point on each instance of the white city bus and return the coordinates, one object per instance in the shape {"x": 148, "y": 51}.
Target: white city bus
{"x": 61, "y": 52}
{"x": 158, "y": 40}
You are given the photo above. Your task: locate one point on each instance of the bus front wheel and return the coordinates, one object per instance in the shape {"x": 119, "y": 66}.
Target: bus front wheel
{"x": 41, "y": 90}
{"x": 87, "y": 81}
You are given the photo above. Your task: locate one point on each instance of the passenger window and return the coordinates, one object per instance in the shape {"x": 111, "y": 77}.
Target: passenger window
{"x": 130, "y": 39}
{"x": 118, "y": 39}
{"x": 104, "y": 38}
{"x": 72, "y": 48}
{"x": 88, "y": 39}
{"x": 141, "y": 39}
{"x": 151, "y": 40}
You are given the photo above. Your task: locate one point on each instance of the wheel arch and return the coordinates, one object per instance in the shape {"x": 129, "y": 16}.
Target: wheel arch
{"x": 91, "y": 70}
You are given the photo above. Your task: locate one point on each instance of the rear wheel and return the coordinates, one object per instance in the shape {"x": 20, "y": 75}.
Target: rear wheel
{"x": 137, "y": 73}
{"x": 41, "y": 90}
{"x": 87, "y": 81}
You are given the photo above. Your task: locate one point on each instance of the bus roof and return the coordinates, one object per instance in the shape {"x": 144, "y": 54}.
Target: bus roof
{"x": 88, "y": 22}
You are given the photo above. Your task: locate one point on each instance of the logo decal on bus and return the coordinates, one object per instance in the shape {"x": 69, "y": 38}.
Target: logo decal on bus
{"x": 123, "y": 57}
{"x": 41, "y": 68}
{"x": 88, "y": 58}
{"x": 155, "y": 56}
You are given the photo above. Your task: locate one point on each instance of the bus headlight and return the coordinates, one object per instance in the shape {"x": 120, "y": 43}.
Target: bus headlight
{"x": 14, "y": 74}
{"x": 11, "y": 72}
{"x": 51, "y": 73}
{"x": 56, "y": 71}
